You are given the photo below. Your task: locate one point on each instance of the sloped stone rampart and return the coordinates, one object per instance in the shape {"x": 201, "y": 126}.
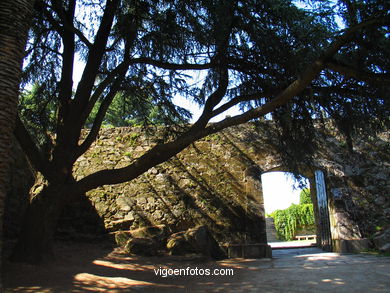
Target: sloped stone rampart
{"x": 217, "y": 182}
{"x": 206, "y": 184}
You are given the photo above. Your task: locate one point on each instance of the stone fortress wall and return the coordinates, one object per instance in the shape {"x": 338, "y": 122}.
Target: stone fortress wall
{"x": 217, "y": 182}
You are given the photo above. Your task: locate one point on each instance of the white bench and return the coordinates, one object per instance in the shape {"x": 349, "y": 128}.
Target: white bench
{"x": 306, "y": 237}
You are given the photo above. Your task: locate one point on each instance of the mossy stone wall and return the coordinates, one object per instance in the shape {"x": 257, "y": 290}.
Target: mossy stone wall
{"x": 217, "y": 182}
{"x": 208, "y": 183}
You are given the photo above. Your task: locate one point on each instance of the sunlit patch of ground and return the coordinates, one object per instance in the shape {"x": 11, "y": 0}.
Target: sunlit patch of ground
{"x": 31, "y": 289}
{"x": 295, "y": 243}
{"x": 123, "y": 266}
{"x": 96, "y": 283}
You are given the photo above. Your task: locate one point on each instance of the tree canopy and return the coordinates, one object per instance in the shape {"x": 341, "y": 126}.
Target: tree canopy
{"x": 263, "y": 56}
{"x": 329, "y": 60}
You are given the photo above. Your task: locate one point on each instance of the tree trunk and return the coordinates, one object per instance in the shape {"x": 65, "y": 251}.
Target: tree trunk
{"x": 14, "y": 18}
{"x": 39, "y": 223}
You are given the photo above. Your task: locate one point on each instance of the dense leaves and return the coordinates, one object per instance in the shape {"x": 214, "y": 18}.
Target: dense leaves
{"x": 292, "y": 219}
{"x": 305, "y": 197}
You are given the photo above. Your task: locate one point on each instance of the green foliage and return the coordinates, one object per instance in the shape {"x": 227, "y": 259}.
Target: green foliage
{"x": 305, "y": 197}
{"x": 37, "y": 110}
{"x": 290, "y": 220}
{"x": 126, "y": 110}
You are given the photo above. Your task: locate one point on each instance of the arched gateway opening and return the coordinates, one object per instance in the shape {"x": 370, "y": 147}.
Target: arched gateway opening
{"x": 283, "y": 205}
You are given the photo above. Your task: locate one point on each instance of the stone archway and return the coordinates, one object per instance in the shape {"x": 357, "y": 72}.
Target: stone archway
{"x": 319, "y": 196}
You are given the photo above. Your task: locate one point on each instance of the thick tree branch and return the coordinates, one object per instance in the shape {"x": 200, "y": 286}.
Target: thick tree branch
{"x": 91, "y": 69}
{"x": 376, "y": 79}
{"x": 67, "y": 20}
{"x": 70, "y": 121}
{"x": 245, "y": 98}
{"x": 233, "y": 102}
{"x": 93, "y": 133}
{"x": 102, "y": 86}
{"x": 33, "y": 153}
{"x": 159, "y": 153}
{"x": 298, "y": 85}
{"x": 78, "y": 33}
{"x": 224, "y": 24}
{"x": 171, "y": 66}
{"x": 66, "y": 81}
{"x": 340, "y": 90}
{"x": 120, "y": 72}
{"x": 214, "y": 99}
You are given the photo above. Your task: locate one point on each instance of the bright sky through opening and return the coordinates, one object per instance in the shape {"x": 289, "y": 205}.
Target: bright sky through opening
{"x": 278, "y": 190}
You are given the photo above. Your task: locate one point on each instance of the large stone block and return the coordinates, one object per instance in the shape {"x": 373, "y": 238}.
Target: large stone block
{"x": 382, "y": 239}
{"x": 142, "y": 246}
{"x": 195, "y": 240}
{"x": 350, "y": 246}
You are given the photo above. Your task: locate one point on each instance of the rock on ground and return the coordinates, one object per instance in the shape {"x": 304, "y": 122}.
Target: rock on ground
{"x": 141, "y": 246}
{"x": 195, "y": 240}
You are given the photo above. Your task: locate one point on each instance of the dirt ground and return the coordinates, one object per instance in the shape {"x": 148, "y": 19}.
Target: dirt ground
{"x": 83, "y": 267}
{"x": 92, "y": 267}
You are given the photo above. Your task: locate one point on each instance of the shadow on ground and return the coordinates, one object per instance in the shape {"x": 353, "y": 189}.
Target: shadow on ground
{"x": 82, "y": 267}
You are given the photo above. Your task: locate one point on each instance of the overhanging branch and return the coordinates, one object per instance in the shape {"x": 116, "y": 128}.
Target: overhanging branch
{"x": 244, "y": 98}
{"x": 348, "y": 71}
{"x": 299, "y": 84}
{"x": 163, "y": 152}
{"x": 171, "y": 66}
